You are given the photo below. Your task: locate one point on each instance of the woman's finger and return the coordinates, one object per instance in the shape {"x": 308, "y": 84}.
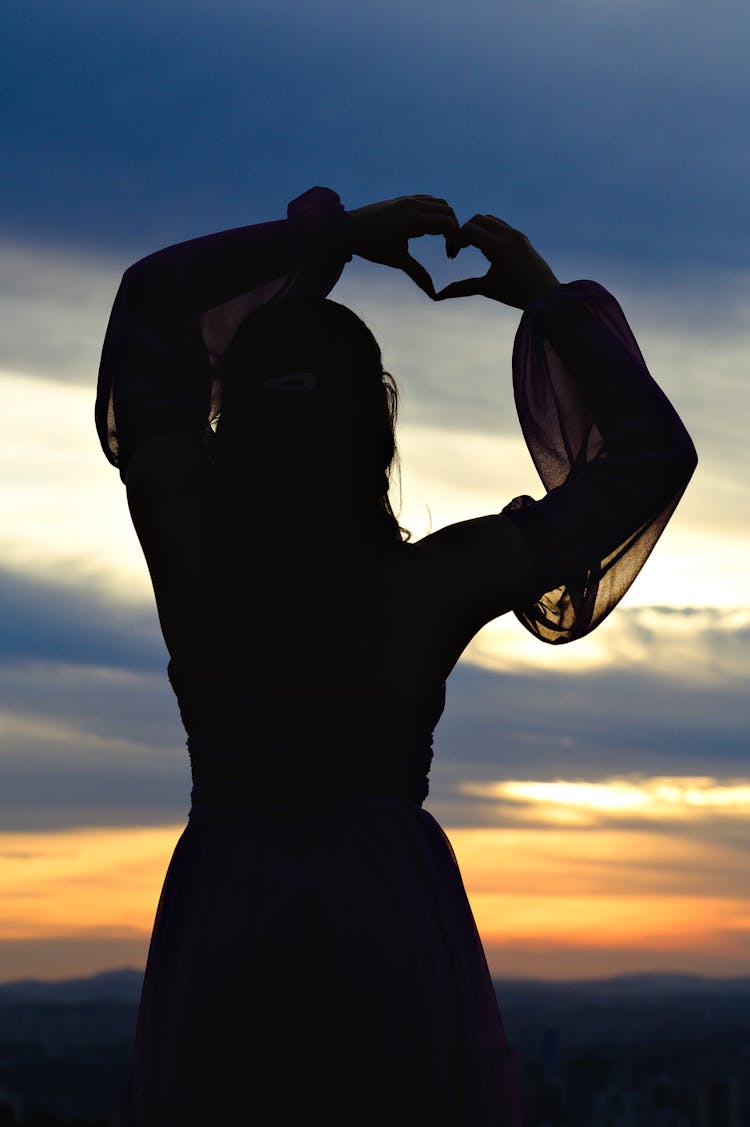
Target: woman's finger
{"x": 432, "y": 200}
{"x": 477, "y": 221}
{"x": 418, "y": 274}
{"x": 491, "y": 223}
{"x": 437, "y": 223}
{"x": 466, "y": 287}
{"x": 438, "y": 206}
{"x": 431, "y": 205}
{"x": 486, "y": 236}
{"x": 468, "y": 231}
{"x": 425, "y": 203}
{"x": 502, "y": 222}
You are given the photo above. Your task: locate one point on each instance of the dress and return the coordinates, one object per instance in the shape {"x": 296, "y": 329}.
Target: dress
{"x": 314, "y": 959}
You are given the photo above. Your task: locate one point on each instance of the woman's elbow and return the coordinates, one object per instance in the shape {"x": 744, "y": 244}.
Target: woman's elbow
{"x": 688, "y": 458}
{"x": 680, "y": 466}
{"x": 142, "y": 286}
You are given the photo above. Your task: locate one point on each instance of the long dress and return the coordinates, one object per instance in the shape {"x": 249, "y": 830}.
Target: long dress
{"x": 314, "y": 958}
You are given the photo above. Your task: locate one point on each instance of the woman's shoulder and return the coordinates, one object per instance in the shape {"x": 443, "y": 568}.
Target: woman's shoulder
{"x": 441, "y": 590}
{"x": 482, "y": 565}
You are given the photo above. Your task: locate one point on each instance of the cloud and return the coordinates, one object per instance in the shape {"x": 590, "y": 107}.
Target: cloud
{"x": 91, "y": 733}
{"x": 157, "y": 124}
{"x": 67, "y": 624}
{"x": 693, "y": 645}
{"x": 639, "y": 716}
{"x": 64, "y": 512}
{"x": 462, "y": 451}
{"x": 54, "y": 307}
{"x": 698, "y": 807}
{"x": 463, "y": 454}
{"x": 84, "y": 746}
{"x": 89, "y": 727}
{"x": 151, "y": 127}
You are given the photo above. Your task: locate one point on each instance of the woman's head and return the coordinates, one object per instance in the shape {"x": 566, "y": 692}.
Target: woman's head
{"x": 308, "y": 415}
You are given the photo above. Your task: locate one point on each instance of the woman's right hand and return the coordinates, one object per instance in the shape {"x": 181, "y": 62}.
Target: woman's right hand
{"x": 380, "y": 232}
{"x": 517, "y": 273}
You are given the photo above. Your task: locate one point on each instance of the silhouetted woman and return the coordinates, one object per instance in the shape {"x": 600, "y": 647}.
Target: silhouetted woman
{"x": 314, "y": 959}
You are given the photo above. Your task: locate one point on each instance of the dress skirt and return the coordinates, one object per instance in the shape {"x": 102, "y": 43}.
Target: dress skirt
{"x": 314, "y": 961}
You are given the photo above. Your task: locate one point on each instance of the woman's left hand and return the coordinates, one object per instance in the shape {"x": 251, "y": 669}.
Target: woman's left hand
{"x": 380, "y": 232}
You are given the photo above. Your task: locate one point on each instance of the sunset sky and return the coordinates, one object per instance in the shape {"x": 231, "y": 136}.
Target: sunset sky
{"x": 597, "y": 795}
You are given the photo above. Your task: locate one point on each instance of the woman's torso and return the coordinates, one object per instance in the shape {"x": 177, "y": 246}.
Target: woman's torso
{"x": 297, "y": 613}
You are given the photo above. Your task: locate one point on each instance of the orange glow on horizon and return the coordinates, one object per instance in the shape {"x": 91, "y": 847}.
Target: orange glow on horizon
{"x": 83, "y": 882}
{"x": 612, "y": 888}
{"x": 556, "y": 888}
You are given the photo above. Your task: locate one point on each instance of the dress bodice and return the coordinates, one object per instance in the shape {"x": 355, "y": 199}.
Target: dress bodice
{"x": 245, "y": 747}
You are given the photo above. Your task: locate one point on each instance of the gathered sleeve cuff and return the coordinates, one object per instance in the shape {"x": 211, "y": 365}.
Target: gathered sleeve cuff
{"x": 177, "y": 310}
{"x": 609, "y": 448}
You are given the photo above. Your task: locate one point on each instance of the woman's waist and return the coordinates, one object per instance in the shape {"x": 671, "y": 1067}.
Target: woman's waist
{"x": 245, "y": 774}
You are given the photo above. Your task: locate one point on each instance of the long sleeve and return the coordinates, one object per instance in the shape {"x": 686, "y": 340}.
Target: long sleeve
{"x": 177, "y": 310}
{"x": 610, "y": 449}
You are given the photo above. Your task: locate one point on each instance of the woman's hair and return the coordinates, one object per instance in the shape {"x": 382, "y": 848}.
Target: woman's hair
{"x": 308, "y": 415}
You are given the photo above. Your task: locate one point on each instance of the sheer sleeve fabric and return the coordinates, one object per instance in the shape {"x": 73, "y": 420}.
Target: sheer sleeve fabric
{"x": 177, "y": 310}
{"x": 609, "y": 448}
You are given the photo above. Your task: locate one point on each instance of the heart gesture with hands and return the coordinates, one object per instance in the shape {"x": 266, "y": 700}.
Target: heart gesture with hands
{"x": 517, "y": 273}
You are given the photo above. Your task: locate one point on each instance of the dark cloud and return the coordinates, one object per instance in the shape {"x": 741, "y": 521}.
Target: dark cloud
{"x": 591, "y": 725}
{"x": 73, "y": 625}
{"x": 615, "y": 126}
{"x": 90, "y": 729}
{"x": 92, "y": 733}
{"x": 84, "y": 746}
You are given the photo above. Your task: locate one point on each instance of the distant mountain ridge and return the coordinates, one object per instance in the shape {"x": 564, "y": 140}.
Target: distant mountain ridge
{"x": 123, "y": 986}
{"x": 627, "y": 986}
{"x": 118, "y": 986}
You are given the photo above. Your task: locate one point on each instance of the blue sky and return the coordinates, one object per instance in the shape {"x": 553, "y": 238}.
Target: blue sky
{"x": 613, "y": 133}
{"x": 610, "y": 128}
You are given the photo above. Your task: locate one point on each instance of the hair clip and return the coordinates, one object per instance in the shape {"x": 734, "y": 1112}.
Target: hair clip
{"x": 293, "y": 381}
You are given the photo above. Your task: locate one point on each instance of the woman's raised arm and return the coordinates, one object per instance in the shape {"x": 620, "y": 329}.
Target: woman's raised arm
{"x": 176, "y": 311}
{"x": 608, "y": 445}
